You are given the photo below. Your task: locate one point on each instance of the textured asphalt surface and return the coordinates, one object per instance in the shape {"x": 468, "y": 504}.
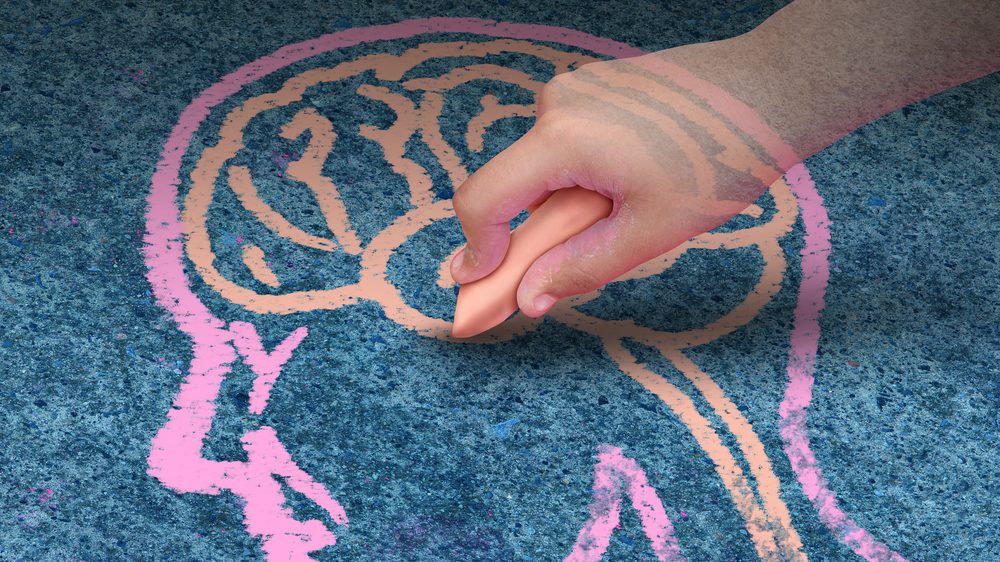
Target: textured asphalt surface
{"x": 444, "y": 452}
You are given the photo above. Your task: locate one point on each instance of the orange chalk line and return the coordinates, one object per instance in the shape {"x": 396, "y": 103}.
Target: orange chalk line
{"x": 387, "y": 67}
{"x": 462, "y": 75}
{"x": 242, "y": 185}
{"x": 197, "y": 242}
{"x": 767, "y": 286}
{"x": 433, "y": 104}
{"x": 754, "y": 210}
{"x": 775, "y": 513}
{"x": 374, "y": 285}
{"x": 754, "y": 517}
{"x": 764, "y": 237}
{"x": 735, "y": 155}
{"x": 253, "y": 258}
{"x": 492, "y": 112}
{"x": 393, "y": 142}
{"x": 308, "y": 169}
{"x": 778, "y": 518}
{"x": 430, "y": 131}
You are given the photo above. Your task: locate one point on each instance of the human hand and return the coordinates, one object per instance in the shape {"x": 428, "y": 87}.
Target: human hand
{"x": 670, "y": 166}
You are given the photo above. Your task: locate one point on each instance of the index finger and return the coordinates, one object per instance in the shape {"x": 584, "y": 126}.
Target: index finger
{"x": 485, "y": 203}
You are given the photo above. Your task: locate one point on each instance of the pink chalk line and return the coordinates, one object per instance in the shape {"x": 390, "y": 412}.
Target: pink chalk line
{"x": 613, "y": 471}
{"x": 806, "y": 328}
{"x": 267, "y": 366}
{"x": 175, "y": 456}
{"x": 801, "y": 367}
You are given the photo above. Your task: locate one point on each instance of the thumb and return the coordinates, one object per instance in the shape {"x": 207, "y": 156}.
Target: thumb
{"x": 589, "y": 260}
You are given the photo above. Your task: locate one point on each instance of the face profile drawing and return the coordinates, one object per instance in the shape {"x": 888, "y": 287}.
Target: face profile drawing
{"x": 295, "y": 164}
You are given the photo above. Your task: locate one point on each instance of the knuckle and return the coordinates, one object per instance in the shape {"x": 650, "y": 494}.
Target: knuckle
{"x": 464, "y": 203}
{"x": 553, "y": 90}
{"x": 558, "y": 81}
{"x": 555, "y": 128}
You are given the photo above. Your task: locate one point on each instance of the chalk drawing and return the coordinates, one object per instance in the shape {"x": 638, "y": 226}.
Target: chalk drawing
{"x": 178, "y": 228}
{"x": 613, "y": 471}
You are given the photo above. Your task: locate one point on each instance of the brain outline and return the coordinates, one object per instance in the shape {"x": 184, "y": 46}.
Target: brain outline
{"x": 412, "y": 120}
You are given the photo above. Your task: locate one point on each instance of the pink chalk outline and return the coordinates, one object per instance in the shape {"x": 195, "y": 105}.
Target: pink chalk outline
{"x": 613, "y": 471}
{"x": 175, "y": 457}
{"x": 806, "y": 328}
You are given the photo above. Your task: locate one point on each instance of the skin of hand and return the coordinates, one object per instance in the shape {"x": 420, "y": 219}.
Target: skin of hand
{"x": 814, "y": 71}
{"x": 614, "y": 128}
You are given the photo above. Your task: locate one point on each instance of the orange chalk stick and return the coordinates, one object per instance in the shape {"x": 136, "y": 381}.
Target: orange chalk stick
{"x": 487, "y": 302}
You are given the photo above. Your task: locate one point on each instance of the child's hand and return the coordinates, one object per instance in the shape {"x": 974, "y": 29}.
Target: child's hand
{"x": 619, "y": 129}
{"x": 814, "y": 71}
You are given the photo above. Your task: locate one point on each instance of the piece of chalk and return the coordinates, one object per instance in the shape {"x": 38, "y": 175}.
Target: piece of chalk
{"x": 487, "y": 302}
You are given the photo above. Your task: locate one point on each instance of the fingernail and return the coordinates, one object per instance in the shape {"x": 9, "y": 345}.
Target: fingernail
{"x": 463, "y": 265}
{"x": 543, "y": 302}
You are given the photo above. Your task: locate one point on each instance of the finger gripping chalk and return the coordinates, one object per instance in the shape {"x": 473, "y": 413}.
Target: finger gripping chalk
{"x": 487, "y": 302}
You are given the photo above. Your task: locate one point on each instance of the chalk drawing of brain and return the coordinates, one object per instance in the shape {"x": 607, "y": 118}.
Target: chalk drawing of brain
{"x": 270, "y": 159}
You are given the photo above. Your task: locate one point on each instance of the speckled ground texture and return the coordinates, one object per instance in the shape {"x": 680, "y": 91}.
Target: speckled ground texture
{"x": 904, "y": 420}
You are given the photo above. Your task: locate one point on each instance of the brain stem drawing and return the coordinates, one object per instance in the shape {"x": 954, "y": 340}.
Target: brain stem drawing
{"x": 180, "y": 227}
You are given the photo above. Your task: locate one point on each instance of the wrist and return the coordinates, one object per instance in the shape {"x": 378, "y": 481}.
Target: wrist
{"x": 715, "y": 98}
